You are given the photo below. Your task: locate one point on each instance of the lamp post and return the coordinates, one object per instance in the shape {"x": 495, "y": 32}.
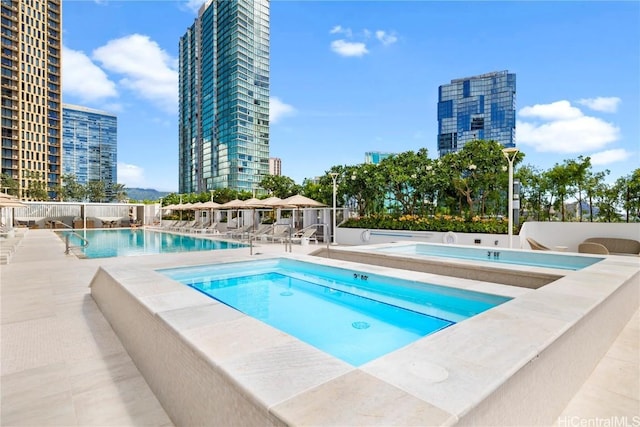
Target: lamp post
{"x": 510, "y": 155}
{"x": 334, "y": 176}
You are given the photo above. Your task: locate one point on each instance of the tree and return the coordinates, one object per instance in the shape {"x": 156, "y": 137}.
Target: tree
{"x": 96, "y": 191}
{"x": 578, "y": 172}
{"x": 37, "y": 189}
{"x": 628, "y": 187}
{"x": 280, "y": 186}
{"x": 119, "y": 192}
{"x": 8, "y": 185}
{"x": 72, "y": 190}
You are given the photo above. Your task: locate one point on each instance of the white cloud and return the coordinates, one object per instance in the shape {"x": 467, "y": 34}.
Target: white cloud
{"x": 603, "y": 104}
{"x": 609, "y": 156}
{"x": 84, "y": 79}
{"x": 559, "y": 110}
{"x": 338, "y": 29}
{"x": 148, "y": 70}
{"x": 131, "y": 175}
{"x": 385, "y": 38}
{"x": 194, "y": 5}
{"x": 278, "y": 110}
{"x": 345, "y": 48}
{"x": 562, "y": 128}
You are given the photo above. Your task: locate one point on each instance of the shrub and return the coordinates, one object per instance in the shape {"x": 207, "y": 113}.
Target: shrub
{"x": 436, "y": 222}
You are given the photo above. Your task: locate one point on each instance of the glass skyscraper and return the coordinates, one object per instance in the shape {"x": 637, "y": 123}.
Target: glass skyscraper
{"x": 479, "y": 107}
{"x": 224, "y": 97}
{"x": 90, "y": 145}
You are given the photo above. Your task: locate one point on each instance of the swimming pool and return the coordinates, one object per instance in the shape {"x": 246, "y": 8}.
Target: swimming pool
{"x": 351, "y": 315}
{"x": 132, "y": 242}
{"x": 497, "y": 255}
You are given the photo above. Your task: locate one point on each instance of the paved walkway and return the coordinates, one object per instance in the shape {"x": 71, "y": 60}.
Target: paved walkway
{"x": 62, "y": 364}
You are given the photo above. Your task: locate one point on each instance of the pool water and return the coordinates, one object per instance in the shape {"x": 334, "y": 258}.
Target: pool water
{"x": 495, "y": 255}
{"x": 352, "y": 315}
{"x": 132, "y": 242}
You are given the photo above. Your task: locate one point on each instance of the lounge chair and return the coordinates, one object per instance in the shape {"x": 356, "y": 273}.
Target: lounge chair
{"x": 536, "y": 246}
{"x": 592, "y": 248}
{"x": 615, "y": 245}
{"x": 308, "y": 233}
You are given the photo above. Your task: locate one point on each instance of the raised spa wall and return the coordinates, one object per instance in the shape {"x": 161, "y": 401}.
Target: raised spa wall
{"x": 517, "y": 364}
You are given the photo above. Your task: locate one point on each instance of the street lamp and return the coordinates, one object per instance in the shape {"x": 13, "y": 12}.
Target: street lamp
{"x": 510, "y": 155}
{"x": 334, "y": 176}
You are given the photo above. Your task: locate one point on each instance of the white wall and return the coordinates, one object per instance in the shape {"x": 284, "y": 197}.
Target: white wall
{"x": 361, "y": 236}
{"x": 571, "y": 234}
{"x": 551, "y": 234}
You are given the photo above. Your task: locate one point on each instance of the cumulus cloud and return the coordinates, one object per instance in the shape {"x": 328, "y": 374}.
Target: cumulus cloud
{"x": 560, "y": 127}
{"x": 385, "y": 38}
{"x": 278, "y": 110}
{"x": 84, "y": 79}
{"x": 345, "y": 48}
{"x": 559, "y": 110}
{"x": 148, "y": 70}
{"x": 356, "y": 45}
{"x": 609, "y": 156}
{"x": 131, "y": 175}
{"x": 603, "y": 104}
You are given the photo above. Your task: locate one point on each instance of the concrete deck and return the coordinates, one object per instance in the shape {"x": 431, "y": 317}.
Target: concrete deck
{"x": 62, "y": 364}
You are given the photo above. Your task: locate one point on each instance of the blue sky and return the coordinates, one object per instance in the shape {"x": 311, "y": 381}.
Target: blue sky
{"x": 351, "y": 77}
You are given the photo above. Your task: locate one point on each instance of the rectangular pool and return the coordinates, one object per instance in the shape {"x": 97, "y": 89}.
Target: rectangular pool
{"x": 132, "y": 242}
{"x": 497, "y": 255}
{"x": 351, "y": 315}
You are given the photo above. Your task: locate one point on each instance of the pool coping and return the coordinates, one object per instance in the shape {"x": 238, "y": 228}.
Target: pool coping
{"x": 458, "y": 374}
{"x": 532, "y": 277}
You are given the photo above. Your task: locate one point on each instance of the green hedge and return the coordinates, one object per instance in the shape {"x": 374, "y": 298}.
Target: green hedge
{"x": 444, "y": 223}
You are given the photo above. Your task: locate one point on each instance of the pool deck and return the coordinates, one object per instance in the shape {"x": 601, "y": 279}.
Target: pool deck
{"x": 62, "y": 363}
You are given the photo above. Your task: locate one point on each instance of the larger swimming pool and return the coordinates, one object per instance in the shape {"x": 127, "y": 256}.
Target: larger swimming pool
{"x": 352, "y": 315}
{"x": 132, "y": 242}
{"x": 493, "y": 255}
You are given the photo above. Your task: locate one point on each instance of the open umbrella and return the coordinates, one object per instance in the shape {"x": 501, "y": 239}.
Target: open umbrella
{"x": 235, "y": 204}
{"x": 301, "y": 201}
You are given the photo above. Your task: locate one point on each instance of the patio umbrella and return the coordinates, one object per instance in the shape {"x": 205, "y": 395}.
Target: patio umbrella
{"x": 211, "y": 205}
{"x": 301, "y": 201}
{"x": 9, "y": 201}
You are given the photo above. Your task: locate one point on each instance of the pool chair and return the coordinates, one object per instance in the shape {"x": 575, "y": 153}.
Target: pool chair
{"x": 536, "y": 246}
{"x": 592, "y": 248}
{"x": 308, "y": 233}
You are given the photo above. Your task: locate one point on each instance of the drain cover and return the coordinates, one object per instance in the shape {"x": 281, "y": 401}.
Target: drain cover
{"x": 360, "y": 325}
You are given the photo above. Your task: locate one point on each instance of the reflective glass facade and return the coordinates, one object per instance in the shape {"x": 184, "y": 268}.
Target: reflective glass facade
{"x": 224, "y": 97}
{"x": 90, "y": 145}
{"x": 479, "y": 107}
{"x": 375, "y": 157}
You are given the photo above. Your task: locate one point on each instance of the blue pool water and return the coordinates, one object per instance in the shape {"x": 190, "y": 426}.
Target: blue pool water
{"x": 495, "y": 255}
{"x": 352, "y": 315}
{"x": 131, "y": 242}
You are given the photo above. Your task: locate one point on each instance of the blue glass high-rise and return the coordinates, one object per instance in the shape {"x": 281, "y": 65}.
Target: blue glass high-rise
{"x": 90, "y": 146}
{"x": 224, "y": 97}
{"x": 478, "y": 107}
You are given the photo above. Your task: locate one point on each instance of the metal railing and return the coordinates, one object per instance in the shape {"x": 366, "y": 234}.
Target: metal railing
{"x": 67, "y": 245}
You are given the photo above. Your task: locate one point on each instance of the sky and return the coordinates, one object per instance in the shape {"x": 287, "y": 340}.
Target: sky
{"x": 349, "y": 77}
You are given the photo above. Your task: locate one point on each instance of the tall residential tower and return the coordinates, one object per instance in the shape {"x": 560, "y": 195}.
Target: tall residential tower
{"x": 90, "y": 146}
{"x": 478, "y": 107}
{"x": 31, "y": 104}
{"x": 224, "y": 97}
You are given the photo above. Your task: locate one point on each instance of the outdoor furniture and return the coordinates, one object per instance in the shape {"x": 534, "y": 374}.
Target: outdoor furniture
{"x": 613, "y": 245}
{"x": 536, "y": 246}
{"x": 592, "y": 248}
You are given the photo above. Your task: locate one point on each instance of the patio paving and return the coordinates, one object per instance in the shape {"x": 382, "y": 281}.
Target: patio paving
{"x": 62, "y": 364}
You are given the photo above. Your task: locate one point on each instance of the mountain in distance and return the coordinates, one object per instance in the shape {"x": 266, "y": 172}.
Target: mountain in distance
{"x": 145, "y": 193}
